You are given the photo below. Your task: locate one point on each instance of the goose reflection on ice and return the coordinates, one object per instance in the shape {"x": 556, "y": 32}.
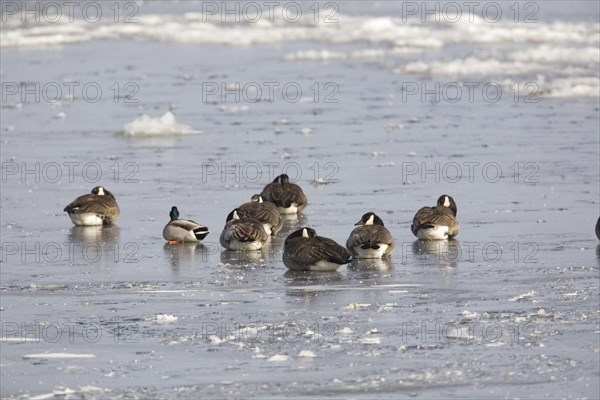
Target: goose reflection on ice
{"x": 188, "y": 253}
{"x": 246, "y": 257}
{"x": 310, "y": 284}
{"x": 443, "y": 253}
{"x": 291, "y": 222}
{"x": 371, "y": 264}
{"x": 96, "y": 244}
{"x": 96, "y": 234}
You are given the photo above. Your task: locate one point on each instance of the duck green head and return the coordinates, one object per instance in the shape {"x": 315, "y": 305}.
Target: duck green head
{"x": 174, "y": 214}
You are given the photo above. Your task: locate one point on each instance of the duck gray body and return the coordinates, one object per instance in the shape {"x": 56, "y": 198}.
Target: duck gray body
{"x": 183, "y": 230}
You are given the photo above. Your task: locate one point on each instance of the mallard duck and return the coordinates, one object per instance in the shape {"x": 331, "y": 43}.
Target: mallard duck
{"x": 370, "y": 239}
{"x": 304, "y": 250}
{"x": 242, "y": 233}
{"x": 183, "y": 230}
{"x": 288, "y": 197}
{"x": 263, "y": 211}
{"x": 97, "y": 208}
{"x": 438, "y": 222}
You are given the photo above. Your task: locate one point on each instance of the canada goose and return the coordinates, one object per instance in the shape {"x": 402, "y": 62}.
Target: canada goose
{"x": 288, "y": 197}
{"x": 97, "y": 208}
{"x": 435, "y": 223}
{"x": 183, "y": 230}
{"x": 303, "y": 250}
{"x": 370, "y": 239}
{"x": 263, "y": 211}
{"x": 242, "y": 233}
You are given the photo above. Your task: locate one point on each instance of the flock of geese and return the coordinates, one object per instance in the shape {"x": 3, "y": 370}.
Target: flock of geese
{"x": 250, "y": 226}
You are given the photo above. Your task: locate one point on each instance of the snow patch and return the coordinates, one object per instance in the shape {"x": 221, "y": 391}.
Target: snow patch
{"x": 165, "y": 318}
{"x": 279, "y": 357}
{"x": 523, "y": 296}
{"x": 148, "y": 126}
{"x": 306, "y": 354}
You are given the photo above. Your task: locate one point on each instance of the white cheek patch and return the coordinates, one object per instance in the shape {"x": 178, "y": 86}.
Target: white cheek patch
{"x": 101, "y": 191}
{"x": 446, "y": 201}
{"x": 370, "y": 220}
{"x": 304, "y": 233}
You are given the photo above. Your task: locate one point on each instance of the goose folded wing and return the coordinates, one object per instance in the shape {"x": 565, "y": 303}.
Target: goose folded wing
{"x": 248, "y": 232}
{"x": 370, "y": 234}
{"x": 280, "y": 197}
{"x": 323, "y": 249}
{"x": 91, "y": 204}
{"x": 260, "y": 213}
{"x": 440, "y": 216}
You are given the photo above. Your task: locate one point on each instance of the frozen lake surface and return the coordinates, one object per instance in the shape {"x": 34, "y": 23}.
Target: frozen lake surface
{"x": 509, "y": 310}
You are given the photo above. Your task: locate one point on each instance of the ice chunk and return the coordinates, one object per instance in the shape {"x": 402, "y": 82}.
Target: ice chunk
{"x": 470, "y": 315}
{"x": 523, "y": 296}
{"x": 165, "y": 125}
{"x": 370, "y": 340}
{"x": 165, "y": 318}
{"x": 279, "y": 357}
